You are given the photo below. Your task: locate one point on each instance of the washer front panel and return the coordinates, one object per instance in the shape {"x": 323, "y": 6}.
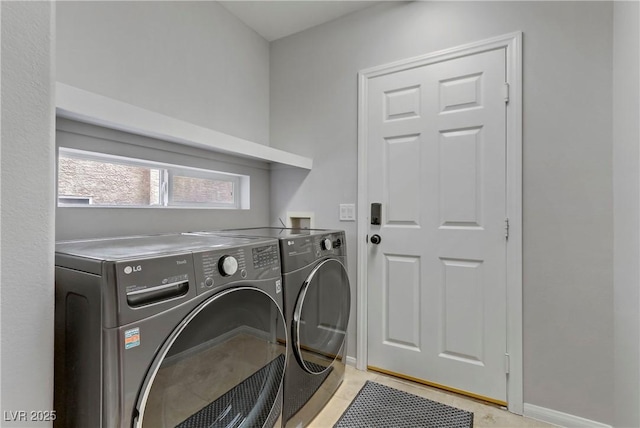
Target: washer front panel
{"x": 221, "y": 367}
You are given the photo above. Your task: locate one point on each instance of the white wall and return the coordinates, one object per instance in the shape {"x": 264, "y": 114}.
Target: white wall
{"x": 189, "y": 60}
{"x": 27, "y": 213}
{"x": 626, "y": 199}
{"x": 568, "y": 220}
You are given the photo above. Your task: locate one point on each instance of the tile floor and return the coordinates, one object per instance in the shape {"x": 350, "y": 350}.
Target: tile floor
{"x": 483, "y": 415}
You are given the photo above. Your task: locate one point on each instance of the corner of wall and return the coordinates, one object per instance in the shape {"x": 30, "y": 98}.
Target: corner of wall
{"x": 27, "y": 215}
{"x": 626, "y": 202}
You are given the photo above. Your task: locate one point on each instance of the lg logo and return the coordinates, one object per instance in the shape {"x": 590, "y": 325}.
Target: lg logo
{"x": 130, "y": 269}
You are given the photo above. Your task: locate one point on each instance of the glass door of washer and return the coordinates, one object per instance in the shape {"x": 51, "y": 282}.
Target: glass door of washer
{"x": 321, "y": 316}
{"x": 222, "y": 367}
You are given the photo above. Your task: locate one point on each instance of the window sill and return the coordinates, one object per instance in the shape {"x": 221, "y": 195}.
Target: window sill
{"x": 84, "y": 106}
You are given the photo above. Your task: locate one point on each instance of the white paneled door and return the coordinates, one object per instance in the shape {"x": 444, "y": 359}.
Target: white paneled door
{"x": 436, "y": 150}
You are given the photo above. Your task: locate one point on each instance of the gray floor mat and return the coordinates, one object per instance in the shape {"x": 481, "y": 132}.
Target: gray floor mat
{"x": 381, "y": 406}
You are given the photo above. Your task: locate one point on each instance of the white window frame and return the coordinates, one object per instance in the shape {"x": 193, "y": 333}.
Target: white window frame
{"x": 167, "y": 171}
{"x": 88, "y": 199}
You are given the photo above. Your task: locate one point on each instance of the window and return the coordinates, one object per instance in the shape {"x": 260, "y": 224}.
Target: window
{"x": 97, "y": 179}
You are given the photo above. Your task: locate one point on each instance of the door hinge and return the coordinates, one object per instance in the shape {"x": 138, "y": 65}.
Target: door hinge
{"x": 505, "y": 92}
{"x": 506, "y": 229}
{"x": 507, "y": 363}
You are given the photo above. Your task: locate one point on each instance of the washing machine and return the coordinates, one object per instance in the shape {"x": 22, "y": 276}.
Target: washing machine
{"x": 317, "y": 298}
{"x": 169, "y": 331}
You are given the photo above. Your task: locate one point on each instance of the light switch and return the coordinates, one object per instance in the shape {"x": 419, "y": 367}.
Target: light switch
{"x": 347, "y": 212}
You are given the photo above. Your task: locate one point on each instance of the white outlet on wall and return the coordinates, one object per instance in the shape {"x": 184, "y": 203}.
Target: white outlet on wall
{"x": 347, "y": 212}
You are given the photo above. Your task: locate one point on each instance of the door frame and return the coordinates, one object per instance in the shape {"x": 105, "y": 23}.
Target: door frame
{"x": 512, "y": 43}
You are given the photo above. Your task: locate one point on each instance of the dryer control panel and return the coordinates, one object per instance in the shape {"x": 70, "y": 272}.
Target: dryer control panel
{"x": 300, "y": 251}
{"x": 329, "y": 244}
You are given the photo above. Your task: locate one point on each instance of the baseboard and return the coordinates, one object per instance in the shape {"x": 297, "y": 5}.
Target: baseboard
{"x": 559, "y": 418}
{"x": 351, "y": 361}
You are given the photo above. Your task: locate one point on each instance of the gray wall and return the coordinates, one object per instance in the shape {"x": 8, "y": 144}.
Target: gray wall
{"x": 626, "y": 203}
{"x": 568, "y": 233}
{"x": 568, "y": 219}
{"x": 27, "y": 213}
{"x": 189, "y": 60}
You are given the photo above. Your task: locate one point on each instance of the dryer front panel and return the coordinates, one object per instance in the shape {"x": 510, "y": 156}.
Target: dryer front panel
{"x": 223, "y": 366}
{"x": 321, "y": 316}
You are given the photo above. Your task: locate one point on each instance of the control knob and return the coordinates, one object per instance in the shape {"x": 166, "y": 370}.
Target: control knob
{"x": 227, "y": 265}
{"x": 326, "y": 244}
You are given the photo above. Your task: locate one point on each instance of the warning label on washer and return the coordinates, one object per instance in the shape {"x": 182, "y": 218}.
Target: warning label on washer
{"x": 132, "y": 338}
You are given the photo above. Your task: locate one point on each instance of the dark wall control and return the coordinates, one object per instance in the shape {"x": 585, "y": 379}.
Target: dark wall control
{"x": 376, "y": 213}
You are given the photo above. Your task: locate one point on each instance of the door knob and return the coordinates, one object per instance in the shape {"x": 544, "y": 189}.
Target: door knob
{"x": 376, "y": 239}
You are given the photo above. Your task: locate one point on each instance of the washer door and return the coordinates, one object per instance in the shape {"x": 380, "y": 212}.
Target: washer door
{"x": 221, "y": 367}
{"x": 321, "y": 316}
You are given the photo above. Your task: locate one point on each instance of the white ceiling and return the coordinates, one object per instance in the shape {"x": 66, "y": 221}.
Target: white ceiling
{"x": 277, "y": 19}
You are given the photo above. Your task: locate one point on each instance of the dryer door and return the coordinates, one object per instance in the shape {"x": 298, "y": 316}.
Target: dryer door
{"x": 321, "y": 316}
{"x": 223, "y": 366}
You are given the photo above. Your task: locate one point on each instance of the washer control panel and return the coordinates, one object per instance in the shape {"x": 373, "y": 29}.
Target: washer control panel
{"x": 265, "y": 256}
{"x": 222, "y": 266}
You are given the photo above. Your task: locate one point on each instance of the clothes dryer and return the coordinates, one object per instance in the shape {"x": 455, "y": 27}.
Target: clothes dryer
{"x": 166, "y": 331}
{"x": 317, "y": 299}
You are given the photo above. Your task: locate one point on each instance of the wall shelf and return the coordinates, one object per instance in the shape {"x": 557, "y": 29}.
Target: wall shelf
{"x": 84, "y": 106}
